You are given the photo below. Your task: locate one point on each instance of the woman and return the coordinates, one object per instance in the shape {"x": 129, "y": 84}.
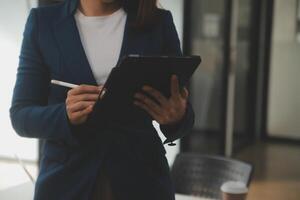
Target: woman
{"x": 79, "y": 41}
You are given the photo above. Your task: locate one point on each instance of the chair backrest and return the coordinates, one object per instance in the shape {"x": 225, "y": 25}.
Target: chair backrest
{"x": 203, "y": 175}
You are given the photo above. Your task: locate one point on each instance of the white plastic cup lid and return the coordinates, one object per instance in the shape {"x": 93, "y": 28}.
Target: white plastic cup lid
{"x": 234, "y": 187}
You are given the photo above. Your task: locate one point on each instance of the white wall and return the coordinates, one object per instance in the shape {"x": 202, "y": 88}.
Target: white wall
{"x": 284, "y": 91}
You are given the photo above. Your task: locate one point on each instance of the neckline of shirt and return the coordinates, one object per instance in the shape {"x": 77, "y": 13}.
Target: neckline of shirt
{"x": 81, "y": 16}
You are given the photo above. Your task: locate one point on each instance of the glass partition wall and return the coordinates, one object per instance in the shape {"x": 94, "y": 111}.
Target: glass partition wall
{"x": 206, "y": 38}
{"x": 283, "y": 99}
{"x": 222, "y": 94}
{"x": 245, "y": 68}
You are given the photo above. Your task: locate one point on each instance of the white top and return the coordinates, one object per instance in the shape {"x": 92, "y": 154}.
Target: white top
{"x": 102, "y": 38}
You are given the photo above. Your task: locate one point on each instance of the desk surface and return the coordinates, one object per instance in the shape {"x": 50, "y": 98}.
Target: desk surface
{"x": 25, "y": 192}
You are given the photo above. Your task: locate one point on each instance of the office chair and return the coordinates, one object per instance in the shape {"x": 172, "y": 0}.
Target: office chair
{"x": 202, "y": 175}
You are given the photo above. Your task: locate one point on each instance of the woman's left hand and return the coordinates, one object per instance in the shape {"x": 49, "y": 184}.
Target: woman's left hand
{"x": 165, "y": 111}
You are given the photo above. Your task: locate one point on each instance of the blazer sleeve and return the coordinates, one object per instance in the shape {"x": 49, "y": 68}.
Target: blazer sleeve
{"x": 172, "y": 47}
{"x": 29, "y": 113}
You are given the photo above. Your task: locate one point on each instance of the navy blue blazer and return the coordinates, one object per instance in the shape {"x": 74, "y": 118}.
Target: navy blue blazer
{"x": 133, "y": 156}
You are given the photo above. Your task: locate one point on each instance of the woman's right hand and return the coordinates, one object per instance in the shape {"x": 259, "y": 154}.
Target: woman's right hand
{"x": 80, "y": 102}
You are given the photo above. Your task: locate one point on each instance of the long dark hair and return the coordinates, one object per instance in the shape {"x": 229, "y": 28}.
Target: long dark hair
{"x": 144, "y": 12}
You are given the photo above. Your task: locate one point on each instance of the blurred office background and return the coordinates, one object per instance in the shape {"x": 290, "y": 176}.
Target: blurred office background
{"x": 245, "y": 95}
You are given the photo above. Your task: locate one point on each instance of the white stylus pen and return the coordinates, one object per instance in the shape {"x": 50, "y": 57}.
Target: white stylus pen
{"x": 70, "y": 85}
{"x": 64, "y": 84}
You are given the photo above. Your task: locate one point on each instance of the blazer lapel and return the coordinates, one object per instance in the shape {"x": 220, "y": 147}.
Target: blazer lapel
{"x": 134, "y": 42}
{"x": 76, "y": 66}
{"x": 128, "y": 39}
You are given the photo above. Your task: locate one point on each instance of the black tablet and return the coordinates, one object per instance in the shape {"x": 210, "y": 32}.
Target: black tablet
{"x": 133, "y": 72}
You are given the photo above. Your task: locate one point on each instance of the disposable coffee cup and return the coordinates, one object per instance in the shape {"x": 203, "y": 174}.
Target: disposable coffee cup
{"x": 234, "y": 191}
